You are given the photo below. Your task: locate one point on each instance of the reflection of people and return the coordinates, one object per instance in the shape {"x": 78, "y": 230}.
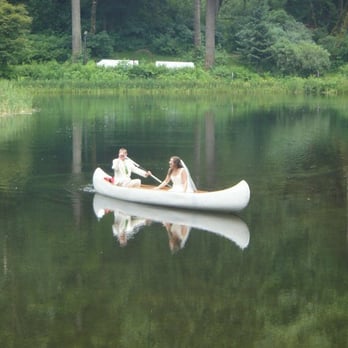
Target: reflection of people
{"x": 123, "y": 168}
{"x": 126, "y": 226}
{"x": 179, "y": 175}
{"x": 177, "y": 235}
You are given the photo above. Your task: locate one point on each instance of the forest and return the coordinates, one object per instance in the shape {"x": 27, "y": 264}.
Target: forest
{"x": 279, "y": 37}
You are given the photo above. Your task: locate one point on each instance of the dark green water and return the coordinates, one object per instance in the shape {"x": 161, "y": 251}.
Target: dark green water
{"x": 276, "y": 275}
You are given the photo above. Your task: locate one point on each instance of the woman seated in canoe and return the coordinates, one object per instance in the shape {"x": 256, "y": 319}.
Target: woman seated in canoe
{"x": 179, "y": 175}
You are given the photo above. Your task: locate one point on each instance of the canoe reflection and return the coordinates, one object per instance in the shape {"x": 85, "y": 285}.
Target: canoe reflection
{"x": 129, "y": 218}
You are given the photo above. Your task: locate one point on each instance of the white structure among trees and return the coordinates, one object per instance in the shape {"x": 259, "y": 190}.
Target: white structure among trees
{"x": 111, "y": 63}
{"x": 175, "y": 65}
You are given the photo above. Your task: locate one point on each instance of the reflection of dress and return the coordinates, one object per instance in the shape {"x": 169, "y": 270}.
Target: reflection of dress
{"x": 178, "y": 235}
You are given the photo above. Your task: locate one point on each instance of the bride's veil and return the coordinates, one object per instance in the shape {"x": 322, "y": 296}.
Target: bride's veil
{"x": 191, "y": 187}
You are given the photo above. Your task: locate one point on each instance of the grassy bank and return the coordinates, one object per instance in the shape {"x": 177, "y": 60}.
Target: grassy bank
{"x": 14, "y": 99}
{"x": 146, "y": 78}
{"x": 77, "y": 79}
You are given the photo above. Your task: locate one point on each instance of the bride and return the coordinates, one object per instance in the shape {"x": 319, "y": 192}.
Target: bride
{"x": 179, "y": 175}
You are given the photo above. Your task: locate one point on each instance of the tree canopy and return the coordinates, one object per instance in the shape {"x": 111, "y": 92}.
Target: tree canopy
{"x": 14, "y": 25}
{"x": 270, "y": 35}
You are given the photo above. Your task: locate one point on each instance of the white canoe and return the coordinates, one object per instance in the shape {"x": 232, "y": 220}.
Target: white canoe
{"x": 232, "y": 199}
{"x": 225, "y": 225}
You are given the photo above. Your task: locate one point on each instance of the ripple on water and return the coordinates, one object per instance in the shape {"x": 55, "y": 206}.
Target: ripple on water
{"x": 89, "y": 188}
{"x": 12, "y": 184}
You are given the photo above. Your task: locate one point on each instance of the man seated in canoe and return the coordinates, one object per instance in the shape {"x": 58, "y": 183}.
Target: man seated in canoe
{"x": 123, "y": 168}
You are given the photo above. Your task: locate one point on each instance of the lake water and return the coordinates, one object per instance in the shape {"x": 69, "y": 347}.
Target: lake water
{"x": 276, "y": 274}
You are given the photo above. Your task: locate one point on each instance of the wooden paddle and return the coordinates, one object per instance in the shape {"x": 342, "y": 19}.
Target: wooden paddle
{"x": 139, "y": 166}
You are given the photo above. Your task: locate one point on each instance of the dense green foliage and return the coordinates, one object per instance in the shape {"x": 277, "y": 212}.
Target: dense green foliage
{"x": 147, "y": 78}
{"x": 286, "y": 37}
{"x": 14, "y": 24}
{"x": 274, "y": 41}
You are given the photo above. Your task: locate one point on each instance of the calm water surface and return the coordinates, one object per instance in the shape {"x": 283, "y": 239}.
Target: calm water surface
{"x": 276, "y": 274}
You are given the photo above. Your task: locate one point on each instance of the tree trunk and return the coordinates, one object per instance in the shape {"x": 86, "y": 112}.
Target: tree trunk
{"x": 342, "y": 21}
{"x": 210, "y": 20}
{"x": 197, "y": 25}
{"x": 93, "y": 17}
{"x": 76, "y": 29}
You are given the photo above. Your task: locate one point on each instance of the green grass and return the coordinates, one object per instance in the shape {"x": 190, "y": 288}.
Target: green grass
{"x": 227, "y": 78}
{"x": 14, "y": 99}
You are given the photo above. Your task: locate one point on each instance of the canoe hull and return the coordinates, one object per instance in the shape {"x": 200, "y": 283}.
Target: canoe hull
{"x": 232, "y": 199}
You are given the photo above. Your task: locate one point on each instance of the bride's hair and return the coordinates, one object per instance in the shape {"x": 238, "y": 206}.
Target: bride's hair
{"x": 177, "y": 163}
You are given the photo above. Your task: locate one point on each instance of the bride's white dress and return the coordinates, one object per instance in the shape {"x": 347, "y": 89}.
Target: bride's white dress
{"x": 178, "y": 185}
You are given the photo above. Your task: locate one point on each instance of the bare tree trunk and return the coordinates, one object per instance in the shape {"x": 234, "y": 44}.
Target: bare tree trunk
{"x": 210, "y": 21}
{"x": 76, "y": 29}
{"x": 340, "y": 7}
{"x": 342, "y": 19}
{"x": 197, "y": 25}
{"x": 93, "y": 17}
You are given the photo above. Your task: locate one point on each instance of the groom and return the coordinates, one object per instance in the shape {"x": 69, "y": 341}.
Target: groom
{"x": 123, "y": 168}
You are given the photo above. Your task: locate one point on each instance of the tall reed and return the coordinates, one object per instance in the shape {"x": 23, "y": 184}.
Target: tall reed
{"x": 14, "y": 99}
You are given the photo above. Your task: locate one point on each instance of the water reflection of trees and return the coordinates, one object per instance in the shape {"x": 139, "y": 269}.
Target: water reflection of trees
{"x": 288, "y": 288}
{"x": 15, "y": 134}
{"x": 76, "y": 166}
{"x": 302, "y": 169}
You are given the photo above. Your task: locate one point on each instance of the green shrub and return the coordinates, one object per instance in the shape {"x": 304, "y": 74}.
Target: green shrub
{"x": 144, "y": 71}
{"x": 303, "y": 58}
{"x": 233, "y": 72}
{"x": 14, "y": 27}
{"x": 338, "y": 48}
{"x": 38, "y": 71}
{"x": 343, "y": 70}
{"x": 45, "y": 48}
{"x": 100, "y": 45}
{"x": 176, "y": 40}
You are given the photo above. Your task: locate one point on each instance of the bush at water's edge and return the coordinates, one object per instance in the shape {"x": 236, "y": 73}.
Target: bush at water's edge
{"x": 79, "y": 79}
{"x": 14, "y": 99}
